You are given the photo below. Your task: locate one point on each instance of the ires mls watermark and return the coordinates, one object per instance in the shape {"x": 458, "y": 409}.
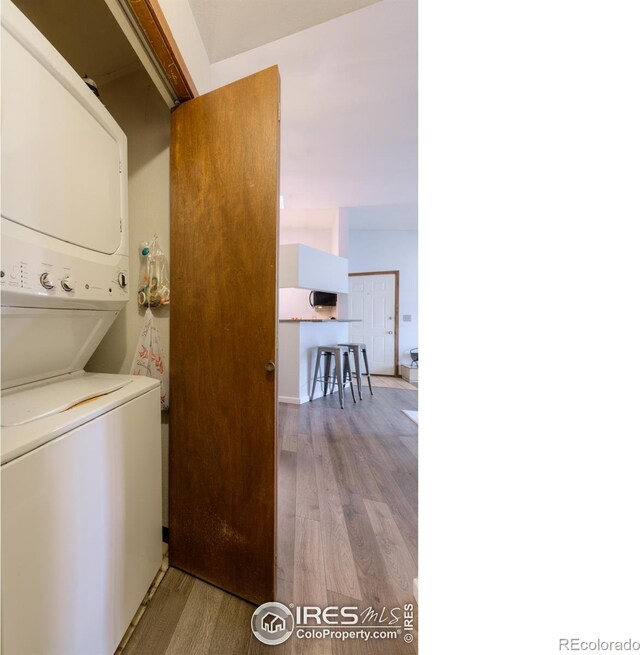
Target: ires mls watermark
{"x": 273, "y": 623}
{"x": 594, "y": 645}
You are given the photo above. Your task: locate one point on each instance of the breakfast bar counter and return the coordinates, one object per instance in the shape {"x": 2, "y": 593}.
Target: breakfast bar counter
{"x": 297, "y": 341}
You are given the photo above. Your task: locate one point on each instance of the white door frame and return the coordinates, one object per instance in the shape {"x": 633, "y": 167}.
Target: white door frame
{"x": 396, "y": 305}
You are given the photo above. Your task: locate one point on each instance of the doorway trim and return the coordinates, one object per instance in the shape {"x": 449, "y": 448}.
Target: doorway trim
{"x": 152, "y": 28}
{"x": 396, "y": 339}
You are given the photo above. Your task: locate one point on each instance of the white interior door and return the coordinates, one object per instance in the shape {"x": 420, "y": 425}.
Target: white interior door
{"x": 372, "y": 302}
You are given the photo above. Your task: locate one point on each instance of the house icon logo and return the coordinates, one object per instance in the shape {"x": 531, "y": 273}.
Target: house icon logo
{"x": 272, "y": 623}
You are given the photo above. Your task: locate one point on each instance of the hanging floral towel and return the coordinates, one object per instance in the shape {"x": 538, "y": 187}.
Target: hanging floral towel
{"x": 148, "y": 359}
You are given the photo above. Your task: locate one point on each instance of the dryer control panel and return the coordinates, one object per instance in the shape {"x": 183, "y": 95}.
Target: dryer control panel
{"x": 38, "y": 271}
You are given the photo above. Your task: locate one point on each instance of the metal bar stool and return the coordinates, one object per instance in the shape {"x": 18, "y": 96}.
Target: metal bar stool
{"x": 356, "y": 349}
{"x": 342, "y": 371}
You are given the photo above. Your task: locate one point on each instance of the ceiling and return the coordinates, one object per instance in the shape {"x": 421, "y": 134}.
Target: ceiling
{"x": 229, "y": 27}
{"x": 349, "y": 125}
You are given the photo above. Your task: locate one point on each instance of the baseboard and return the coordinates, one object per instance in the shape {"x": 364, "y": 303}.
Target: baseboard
{"x": 293, "y": 400}
{"x": 301, "y": 400}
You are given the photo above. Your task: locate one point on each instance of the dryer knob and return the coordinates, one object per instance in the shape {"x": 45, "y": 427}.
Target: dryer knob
{"x": 46, "y": 282}
{"x": 122, "y": 280}
{"x": 68, "y": 283}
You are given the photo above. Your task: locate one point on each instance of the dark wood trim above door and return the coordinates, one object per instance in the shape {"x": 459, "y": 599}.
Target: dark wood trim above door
{"x": 155, "y": 28}
{"x": 396, "y": 341}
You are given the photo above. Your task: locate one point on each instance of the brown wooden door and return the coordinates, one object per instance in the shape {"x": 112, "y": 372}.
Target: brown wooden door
{"x": 224, "y": 238}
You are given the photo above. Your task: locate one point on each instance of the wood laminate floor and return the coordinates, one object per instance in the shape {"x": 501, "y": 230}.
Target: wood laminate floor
{"x": 347, "y": 533}
{"x": 390, "y": 382}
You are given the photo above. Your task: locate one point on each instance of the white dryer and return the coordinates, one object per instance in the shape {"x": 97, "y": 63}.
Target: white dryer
{"x": 80, "y": 452}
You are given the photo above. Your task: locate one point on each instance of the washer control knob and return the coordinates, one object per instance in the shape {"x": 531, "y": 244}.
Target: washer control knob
{"x": 122, "y": 280}
{"x": 46, "y": 282}
{"x": 68, "y": 283}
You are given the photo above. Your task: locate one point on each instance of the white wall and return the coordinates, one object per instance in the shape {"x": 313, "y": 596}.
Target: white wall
{"x": 349, "y": 106}
{"x": 322, "y": 239}
{"x": 341, "y": 233}
{"x": 391, "y": 250}
{"x": 341, "y": 243}
{"x": 140, "y": 111}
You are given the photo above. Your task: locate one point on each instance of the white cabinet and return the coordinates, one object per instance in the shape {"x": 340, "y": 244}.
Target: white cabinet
{"x": 303, "y": 267}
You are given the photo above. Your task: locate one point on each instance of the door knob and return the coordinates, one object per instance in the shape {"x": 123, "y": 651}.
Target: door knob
{"x": 270, "y": 367}
{"x": 389, "y": 331}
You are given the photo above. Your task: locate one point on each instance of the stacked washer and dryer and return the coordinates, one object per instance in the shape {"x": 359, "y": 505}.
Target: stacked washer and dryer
{"x": 81, "y": 513}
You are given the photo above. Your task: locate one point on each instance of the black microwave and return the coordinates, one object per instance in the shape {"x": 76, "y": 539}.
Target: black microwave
{"x": 323, "y": 299}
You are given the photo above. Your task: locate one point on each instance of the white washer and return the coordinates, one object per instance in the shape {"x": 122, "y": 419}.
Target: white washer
{"x": 81, "y": 512}
{"x": 80, "y": 452}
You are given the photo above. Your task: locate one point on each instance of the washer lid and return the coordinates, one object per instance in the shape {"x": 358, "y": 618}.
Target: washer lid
{"x": 28, "y": 405}
{"x": 18, "y": 440}
{"x": 40, "y": 344}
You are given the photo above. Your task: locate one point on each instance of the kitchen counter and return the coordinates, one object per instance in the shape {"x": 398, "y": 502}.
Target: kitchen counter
{"x": 297, "y": 343}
